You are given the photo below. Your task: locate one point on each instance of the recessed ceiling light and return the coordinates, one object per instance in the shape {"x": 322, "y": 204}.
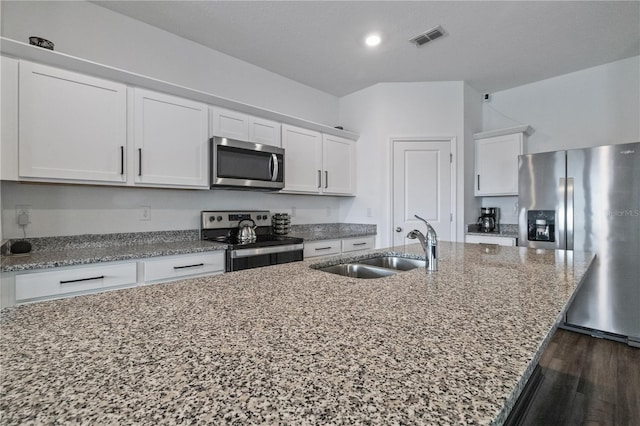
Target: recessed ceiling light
{"x": 373, "y": 40}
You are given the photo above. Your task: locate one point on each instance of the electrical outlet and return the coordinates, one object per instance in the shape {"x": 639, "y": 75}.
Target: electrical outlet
{"x": 369, "y": 212}
{"x": 293, "y": 212}
{"x": 328, "y": 211}
{"x": 23, "y": 209}
{"x": 145, "y": 213}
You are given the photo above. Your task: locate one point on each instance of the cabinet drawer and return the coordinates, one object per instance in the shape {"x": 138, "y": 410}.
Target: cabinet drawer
{"x": 174, "y": 267}
{"x": 322, "y": 248}
{"x": 480, "y": 239}
{"x": 57, "y": 283}
{"x": 355, "y": 244}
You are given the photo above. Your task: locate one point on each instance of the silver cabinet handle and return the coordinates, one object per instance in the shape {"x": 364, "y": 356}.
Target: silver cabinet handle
{"x": 319, "y": 179}
{"x": 139, "y": 161}
{"x": 359, "y": 244}
{"x": 398, "y": 229}
{"x": 478, "y": 182}
{"x": 322, "y": 248}
{"x": 326, "y": 179}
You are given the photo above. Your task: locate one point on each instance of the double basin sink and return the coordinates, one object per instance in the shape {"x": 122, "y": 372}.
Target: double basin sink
{"x": 375, "y": 267}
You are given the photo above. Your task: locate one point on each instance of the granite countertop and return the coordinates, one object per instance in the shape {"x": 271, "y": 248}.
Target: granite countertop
{"x": 503, "y": 230}
{"x": 290, "y": 344}
{"x": 332, "y": 231}
{"x": 53, "y": 252}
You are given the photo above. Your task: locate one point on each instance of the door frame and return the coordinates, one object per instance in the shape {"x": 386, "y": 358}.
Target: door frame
{"x": 454, "y": 183}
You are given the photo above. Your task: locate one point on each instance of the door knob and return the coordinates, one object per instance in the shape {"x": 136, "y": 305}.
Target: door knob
{"x": 398, "y": 229}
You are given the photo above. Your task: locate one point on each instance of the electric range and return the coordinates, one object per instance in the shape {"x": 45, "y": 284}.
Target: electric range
{"x": 267, "y": 248}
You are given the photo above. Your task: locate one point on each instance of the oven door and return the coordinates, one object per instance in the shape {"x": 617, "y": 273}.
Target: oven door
{"x": 263, "y": 256}
{"x": 245, "y": 165}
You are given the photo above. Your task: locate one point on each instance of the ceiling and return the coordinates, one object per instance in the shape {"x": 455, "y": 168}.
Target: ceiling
{"x": 491, "y": 45}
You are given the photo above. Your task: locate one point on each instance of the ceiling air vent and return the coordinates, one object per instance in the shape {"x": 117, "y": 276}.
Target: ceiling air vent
{"x": 428, "y": 36}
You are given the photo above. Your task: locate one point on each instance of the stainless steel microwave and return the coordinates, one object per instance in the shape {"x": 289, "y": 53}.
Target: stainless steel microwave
{"x": 244, "y": 165}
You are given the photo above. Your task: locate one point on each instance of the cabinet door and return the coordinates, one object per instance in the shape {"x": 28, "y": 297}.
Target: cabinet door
{"x": 9, "y": 118}
{"x": 303, "y": 159}
{"x": 71, "y": 126}
{"x": 58, "y": 283}
{"x": 322, "y": 248}
{"x": 171, "y": 140}
{"x": 174, "y": 267}
{"x": 263, "y": 131}
{"x": 229, "y": 124}
{"x": 491, "y": 240}
{"x": 497, "y": 164}
{"x": 338, "y": 158}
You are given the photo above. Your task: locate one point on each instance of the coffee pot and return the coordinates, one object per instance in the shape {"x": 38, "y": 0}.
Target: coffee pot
{"x": 487, "y": 220}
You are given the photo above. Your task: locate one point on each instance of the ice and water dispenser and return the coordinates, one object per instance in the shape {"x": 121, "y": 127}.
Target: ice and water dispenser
{"x": 541, "y": 225}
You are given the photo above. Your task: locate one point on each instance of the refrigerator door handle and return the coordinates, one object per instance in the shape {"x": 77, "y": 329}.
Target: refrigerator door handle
{"x": 569, "y": 214}
{"x": 561, "y": 218}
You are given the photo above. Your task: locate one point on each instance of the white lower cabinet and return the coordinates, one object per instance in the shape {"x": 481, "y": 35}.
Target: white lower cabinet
{"x": 495, "y": 240}
{"x": 59, "y": 283}
{"x": 357, "y": 244}
{"x": 329, "y": 247}
{"x": 174, "y": 267}
{"x": 26, "y": 287}
{"x": 322, "y": 248}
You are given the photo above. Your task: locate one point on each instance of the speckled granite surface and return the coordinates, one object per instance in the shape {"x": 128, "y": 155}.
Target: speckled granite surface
{"x": 288, "y": 344}
{"x": 331, "y": 231}
{"x": 504, "y": 230}
{"x": 53, "y": 258}
{"x": 72, "y": 242}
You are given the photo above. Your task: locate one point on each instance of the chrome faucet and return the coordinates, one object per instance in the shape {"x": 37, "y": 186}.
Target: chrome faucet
{"x": 429, "y": 244}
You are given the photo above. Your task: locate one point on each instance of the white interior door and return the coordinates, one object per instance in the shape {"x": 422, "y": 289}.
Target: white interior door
{"x": 422, "y": 185}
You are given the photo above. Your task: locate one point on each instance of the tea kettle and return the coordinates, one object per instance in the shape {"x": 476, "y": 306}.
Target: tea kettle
{"x": 246, "y": 233}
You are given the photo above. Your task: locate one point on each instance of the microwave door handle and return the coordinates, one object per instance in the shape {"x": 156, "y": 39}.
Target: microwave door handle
{"x": 273, "y": 167}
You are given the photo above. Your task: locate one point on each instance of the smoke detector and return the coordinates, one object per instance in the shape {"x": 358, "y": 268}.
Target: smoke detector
{"x": 428, "y": 36}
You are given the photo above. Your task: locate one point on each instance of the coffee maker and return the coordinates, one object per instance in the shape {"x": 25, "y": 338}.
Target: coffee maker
{"x": 488, "y": 220}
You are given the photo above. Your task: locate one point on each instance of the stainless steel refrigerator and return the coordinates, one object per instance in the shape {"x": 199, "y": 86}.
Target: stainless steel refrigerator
{"x": 589, "y": 200}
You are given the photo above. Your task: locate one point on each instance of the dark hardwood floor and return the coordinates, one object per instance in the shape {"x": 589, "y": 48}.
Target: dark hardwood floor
{"x": 587, "y": 381}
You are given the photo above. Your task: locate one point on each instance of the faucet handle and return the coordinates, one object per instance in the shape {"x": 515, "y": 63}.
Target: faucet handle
{"x": 432, "y": 236}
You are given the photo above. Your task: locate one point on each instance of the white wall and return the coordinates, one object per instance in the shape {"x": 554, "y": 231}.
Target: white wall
{"x": 92, "y": 32}
{"x": 74, "y": 210}
{"x": 383, "y": 111}
{"x": 595, "y": 106}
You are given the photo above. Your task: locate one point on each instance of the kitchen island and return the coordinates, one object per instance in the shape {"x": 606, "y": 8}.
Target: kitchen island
{"x": 293, "y": 345}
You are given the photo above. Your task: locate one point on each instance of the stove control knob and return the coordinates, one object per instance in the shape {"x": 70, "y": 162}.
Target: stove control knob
{"x": 211, "y": 218}
{"x": 261, "y": 217}
{"x": 219, "y": 218}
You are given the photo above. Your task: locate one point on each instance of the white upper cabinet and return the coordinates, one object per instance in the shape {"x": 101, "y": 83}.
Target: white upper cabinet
{"x": 264, "y": 131}
{"x": 170, "y": 140}
{"x": 229, "y": 124}
{"x": 236, "y": 125}
{"x": 338, "y": 159}
{"x": 302, "y": 159}
{"x": 71, "y": 126}
{"x": 316, "y": 163}
{"x": 496, "y": 164}
{"x": 9, "y": 118}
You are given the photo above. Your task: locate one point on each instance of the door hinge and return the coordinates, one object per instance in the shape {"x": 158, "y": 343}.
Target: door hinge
{"x": 451, "y": 157}
{"x": 450, "y": 217}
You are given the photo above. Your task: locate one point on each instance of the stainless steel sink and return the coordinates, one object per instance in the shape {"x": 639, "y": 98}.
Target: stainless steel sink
{"x": 375, "y": 267}
{"x": 358, "y": 271}
{"x": 394, "y": 262}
